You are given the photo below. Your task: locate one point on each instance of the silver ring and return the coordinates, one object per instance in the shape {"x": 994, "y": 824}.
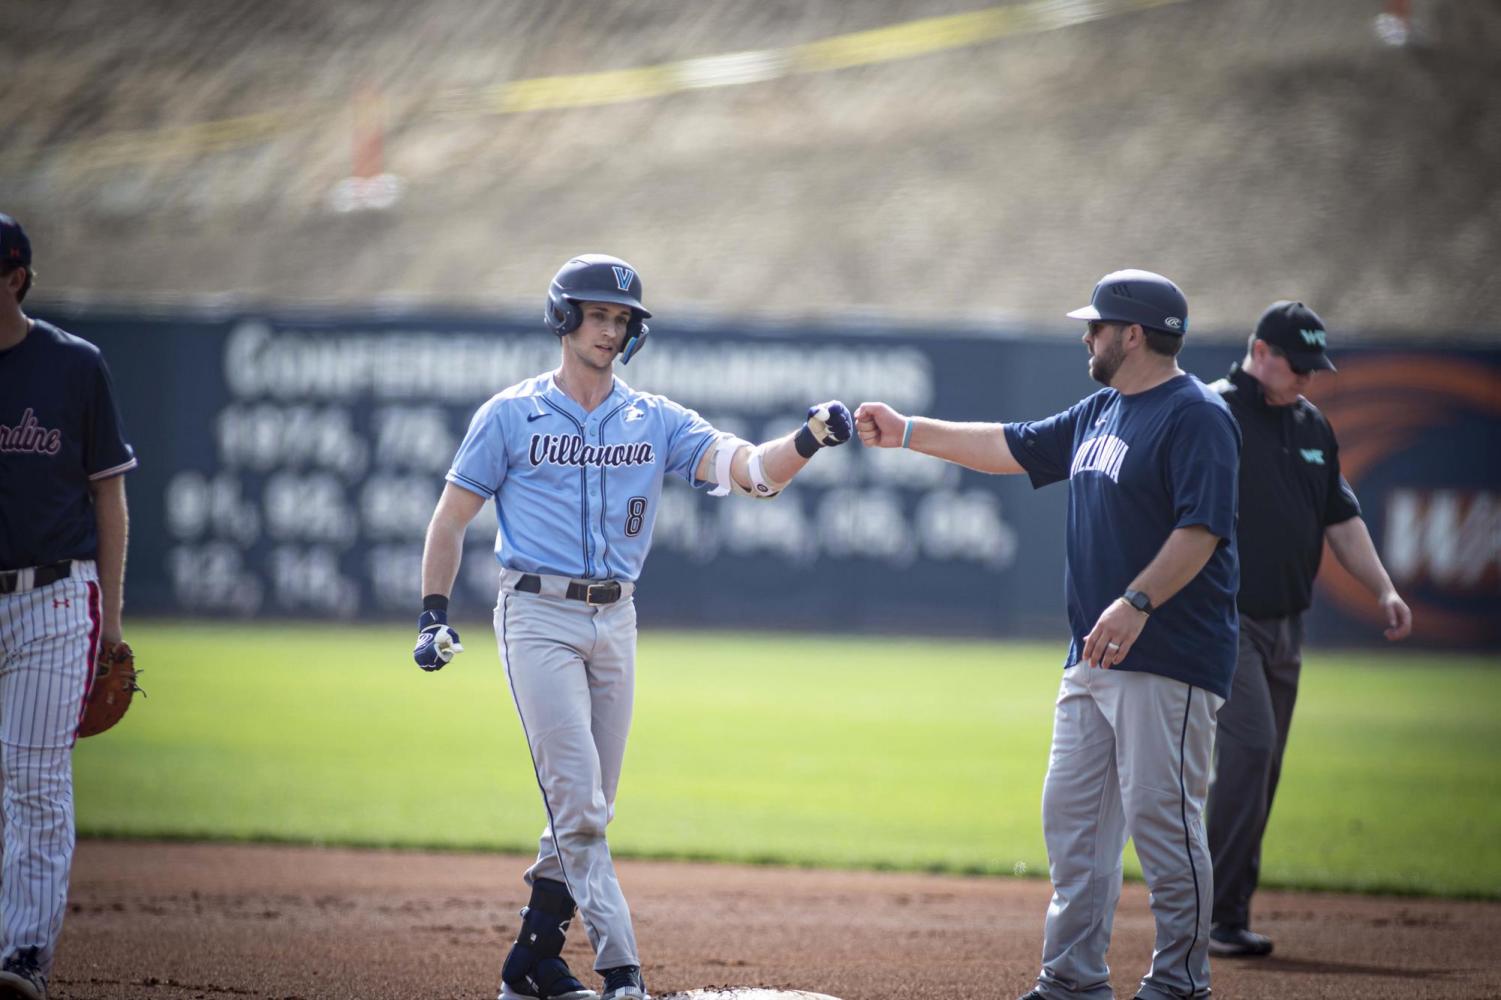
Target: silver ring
{"x": 1112, "y": 645}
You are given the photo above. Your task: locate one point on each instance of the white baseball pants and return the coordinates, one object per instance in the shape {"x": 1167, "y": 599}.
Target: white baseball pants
{"x": 572, "y": 672}
{"x": 49, "y": 638}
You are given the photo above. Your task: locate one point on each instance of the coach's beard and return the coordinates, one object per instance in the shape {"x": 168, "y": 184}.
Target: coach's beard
{"x": 1103, "y": 364}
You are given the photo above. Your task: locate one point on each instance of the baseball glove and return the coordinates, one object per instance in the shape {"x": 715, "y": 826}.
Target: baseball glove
{"x": 109, "y": 695}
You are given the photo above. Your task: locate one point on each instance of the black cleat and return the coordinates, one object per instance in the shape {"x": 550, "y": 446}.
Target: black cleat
{"x": 549, "y": 979}
{"x": 624, "y": 983}
{"x": 1238, "y": 942}
{"x": 21, "y": 977}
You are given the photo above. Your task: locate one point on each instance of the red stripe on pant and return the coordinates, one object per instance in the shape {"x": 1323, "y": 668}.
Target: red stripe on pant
{"x": 96, "y": 625}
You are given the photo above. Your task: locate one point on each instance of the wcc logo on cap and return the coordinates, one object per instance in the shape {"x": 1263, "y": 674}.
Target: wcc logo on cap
{"x": 1296, "y": 331}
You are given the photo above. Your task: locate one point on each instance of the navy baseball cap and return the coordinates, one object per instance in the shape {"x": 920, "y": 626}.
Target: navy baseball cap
{"x": 15, "y": 248}
{"x": 1133, "y": 296}
{"x": 1298, "y": 333}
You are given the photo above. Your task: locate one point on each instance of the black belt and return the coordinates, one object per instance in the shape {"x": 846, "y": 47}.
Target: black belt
{"x": 607, "y": 592}
{"x": 10, "y": 579}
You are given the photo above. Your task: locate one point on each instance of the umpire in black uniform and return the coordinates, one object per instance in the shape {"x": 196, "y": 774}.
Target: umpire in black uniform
{"x": 1292, "y": 498}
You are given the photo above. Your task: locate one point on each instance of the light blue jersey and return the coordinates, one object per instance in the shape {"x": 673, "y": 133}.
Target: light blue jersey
{"x": 576, "y": 492}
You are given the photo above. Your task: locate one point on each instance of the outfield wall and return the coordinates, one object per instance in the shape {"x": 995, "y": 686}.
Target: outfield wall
{"x": 290, "y": 462}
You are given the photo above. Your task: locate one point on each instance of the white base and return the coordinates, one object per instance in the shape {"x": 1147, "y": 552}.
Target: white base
{"x": 748, "y": 993}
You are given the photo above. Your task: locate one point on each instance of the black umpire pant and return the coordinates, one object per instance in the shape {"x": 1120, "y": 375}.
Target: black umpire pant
{"x": 1252, "y": 735}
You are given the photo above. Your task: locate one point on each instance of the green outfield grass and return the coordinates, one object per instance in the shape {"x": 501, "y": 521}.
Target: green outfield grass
{"x": 883, "y": 753}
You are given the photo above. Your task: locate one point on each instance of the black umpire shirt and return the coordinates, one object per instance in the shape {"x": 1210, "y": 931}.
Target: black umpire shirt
{"x": 1290, "y": 491}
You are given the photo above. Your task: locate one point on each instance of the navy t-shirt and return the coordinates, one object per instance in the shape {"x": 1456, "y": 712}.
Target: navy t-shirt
{"x": 59, "y": 430}
{"x": 1139, "y": 467}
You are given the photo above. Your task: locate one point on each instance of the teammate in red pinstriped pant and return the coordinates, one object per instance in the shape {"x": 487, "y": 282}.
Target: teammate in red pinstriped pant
{"x": 62, "y": 571}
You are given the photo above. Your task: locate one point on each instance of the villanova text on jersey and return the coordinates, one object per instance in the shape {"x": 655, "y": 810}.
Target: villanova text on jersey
{"x": 1102, "y": 454}
{"x": 570, "y": 449}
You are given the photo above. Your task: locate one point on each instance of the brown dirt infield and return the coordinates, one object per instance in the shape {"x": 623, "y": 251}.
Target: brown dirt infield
{"x": 176, "y": 921}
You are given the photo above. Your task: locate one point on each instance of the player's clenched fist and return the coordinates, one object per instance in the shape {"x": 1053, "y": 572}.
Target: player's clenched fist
{"x": 436, "y": 641}
{"x": 829, "y": 424}
{"x": 879, "y": 425}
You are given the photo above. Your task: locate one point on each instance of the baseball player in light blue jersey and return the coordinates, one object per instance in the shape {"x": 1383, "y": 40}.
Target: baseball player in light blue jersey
{"x": 575, "y": 459}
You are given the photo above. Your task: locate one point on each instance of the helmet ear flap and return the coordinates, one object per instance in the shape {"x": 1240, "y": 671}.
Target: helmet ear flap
{"x": 635, "y": 339}
{"x": 562, "y": 315}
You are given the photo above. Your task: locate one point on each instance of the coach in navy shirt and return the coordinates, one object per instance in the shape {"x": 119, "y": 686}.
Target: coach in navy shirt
{"x": 62, "y": 570}
{"x": 1151, "y": 462}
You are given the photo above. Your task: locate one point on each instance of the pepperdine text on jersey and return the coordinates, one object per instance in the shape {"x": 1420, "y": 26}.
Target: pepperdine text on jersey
{"x": 29, "y": 436}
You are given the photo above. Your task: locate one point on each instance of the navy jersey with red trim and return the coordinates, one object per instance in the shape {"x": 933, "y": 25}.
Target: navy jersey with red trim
{"x": 60, "y": 429}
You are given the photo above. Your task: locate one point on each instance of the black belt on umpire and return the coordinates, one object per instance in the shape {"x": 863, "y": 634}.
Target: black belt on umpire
{"x": 605, "y": 592}
{"x": 11, "y": 580}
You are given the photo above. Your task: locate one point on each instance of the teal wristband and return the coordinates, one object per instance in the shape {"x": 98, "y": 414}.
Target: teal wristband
{"x": 907, "y": 433}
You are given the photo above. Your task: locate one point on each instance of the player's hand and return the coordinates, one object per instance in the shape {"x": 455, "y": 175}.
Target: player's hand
{"x": 1113, "y": 635}
{"x": 436, "y": 641}
{"x": 1398, "y": 616}
{"x": 830, "y": 423}
{"x": 879, "y": 425}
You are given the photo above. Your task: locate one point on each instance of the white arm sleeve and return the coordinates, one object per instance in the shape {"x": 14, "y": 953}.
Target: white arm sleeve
{"x": 761, "y": 488}
{"x": 728, "y": 445}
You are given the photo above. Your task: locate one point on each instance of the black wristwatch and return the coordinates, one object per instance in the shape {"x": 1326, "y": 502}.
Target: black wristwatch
{"x": 1138, "y": 600}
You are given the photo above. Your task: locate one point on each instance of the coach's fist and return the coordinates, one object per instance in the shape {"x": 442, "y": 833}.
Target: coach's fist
{"x": 436, "y": 642}
{"x": 880, "y": 426}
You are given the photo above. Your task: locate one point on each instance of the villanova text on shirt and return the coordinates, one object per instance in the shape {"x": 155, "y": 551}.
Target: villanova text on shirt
{"x": 1100, "y": 454}
{"x": 570, "y": 449}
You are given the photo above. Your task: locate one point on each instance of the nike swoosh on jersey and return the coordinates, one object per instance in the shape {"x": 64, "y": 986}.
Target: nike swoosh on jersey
{"x": 534, "y": 416}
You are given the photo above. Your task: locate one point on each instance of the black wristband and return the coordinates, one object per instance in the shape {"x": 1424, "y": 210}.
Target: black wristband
{"x": 435, "y": 602}
{"x": 806, "y": 444}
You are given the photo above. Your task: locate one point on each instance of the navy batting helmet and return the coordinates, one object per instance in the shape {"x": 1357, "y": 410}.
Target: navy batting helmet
{"x": 597, "y": 277}
{"x": 1133, "y": 296}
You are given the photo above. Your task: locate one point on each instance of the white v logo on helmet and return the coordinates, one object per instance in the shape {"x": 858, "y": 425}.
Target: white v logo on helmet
{"x": 623, "y": 277}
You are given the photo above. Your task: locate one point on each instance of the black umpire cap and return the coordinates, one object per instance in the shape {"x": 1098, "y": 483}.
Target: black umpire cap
{"x": 1296, "y": 331}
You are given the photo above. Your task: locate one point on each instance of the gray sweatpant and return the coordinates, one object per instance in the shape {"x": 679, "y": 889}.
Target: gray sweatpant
{"x": 1130, "y": 756}
{"x": 572, "y": 672}
{"x": 1248, "y": 758}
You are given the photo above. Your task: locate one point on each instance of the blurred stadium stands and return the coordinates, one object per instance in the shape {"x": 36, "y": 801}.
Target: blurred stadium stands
{"x": 969, "y": 172}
